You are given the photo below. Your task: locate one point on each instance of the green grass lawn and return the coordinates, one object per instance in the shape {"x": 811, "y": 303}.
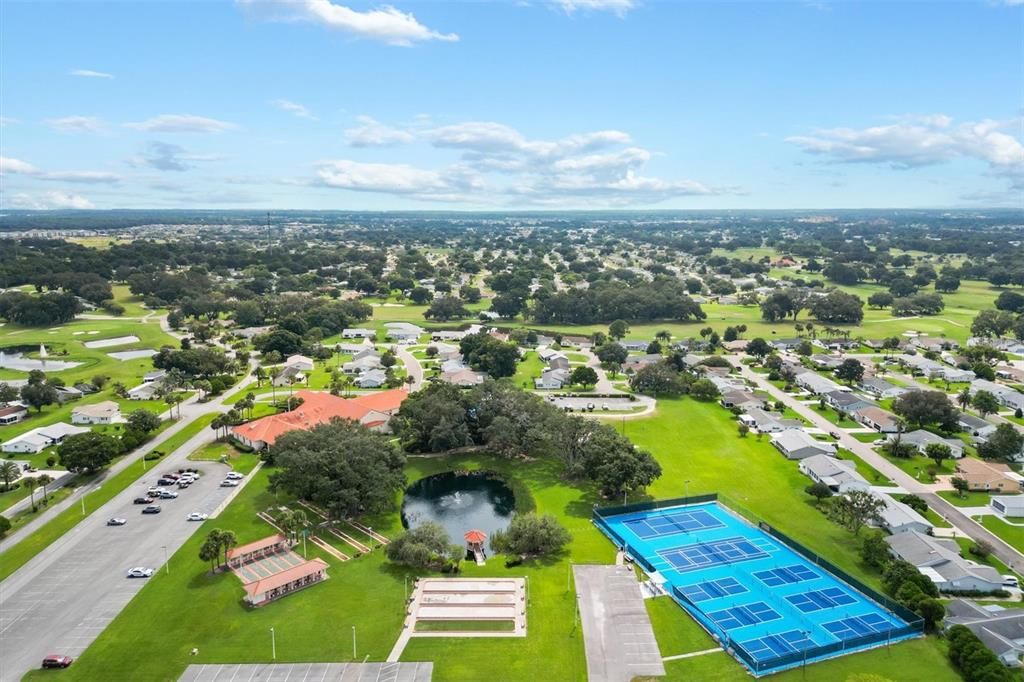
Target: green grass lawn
{"x": 969, "y": 499}
{"x": 676, "y": 632}
{"x": 465, "y": 626}
{"x": 528, "y": 369}
{"x": 1012, "y": 535}
{"x": 922, "y": 468}
{"x": 242, "y": 462}
{"x": 833, "y": 416}
{"x": 872, "y": 475}
{"x": 16, "y": 556}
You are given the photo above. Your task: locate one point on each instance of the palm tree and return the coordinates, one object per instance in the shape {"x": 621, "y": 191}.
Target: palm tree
{"x": 664, "y": 335}
{"x": 260, "y": 374}
{"x": 44, "y": 480}
{"x": 9, "y": 473}
{"x": 217, "y": 424}
{"x": 227, "y": 541}
{"x": 964, "y": 398}
{"x": 31, "y": 484}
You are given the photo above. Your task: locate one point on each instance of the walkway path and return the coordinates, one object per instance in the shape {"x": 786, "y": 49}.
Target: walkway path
{"x": 1003, "y": 551}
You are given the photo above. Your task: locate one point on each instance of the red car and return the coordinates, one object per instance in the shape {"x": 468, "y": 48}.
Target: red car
{"x": 55, "y": 661}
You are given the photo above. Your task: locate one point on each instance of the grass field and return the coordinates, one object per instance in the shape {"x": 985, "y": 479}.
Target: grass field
{"x": 1012, "y": 535}
{"x": 242, "y": 462}
{"x": 969, "y": 499}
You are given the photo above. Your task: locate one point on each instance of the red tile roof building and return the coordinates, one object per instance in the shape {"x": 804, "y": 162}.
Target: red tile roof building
{"x": 373, "y": 410}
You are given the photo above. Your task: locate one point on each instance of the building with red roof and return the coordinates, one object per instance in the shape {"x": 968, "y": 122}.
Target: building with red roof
{"x": 373, "y": 411}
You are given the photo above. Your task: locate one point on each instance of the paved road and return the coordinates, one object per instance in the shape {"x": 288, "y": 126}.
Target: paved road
{"x": 412, "y": 367}
{"x": 62, "y": 599}
{"x": 1004, "y": 552}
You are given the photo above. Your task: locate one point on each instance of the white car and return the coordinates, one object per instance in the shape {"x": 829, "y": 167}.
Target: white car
{"x": 197, "y": 516}
{"x": 235, "y": 476}
{"x": 140, "y": 572}
{"x": 1010, "y": 581}
{"x": 168, "y": 495}
{"x": 117, "y": 521}
{"x": 155, "y": 491}
{"x": 228, "y": 483}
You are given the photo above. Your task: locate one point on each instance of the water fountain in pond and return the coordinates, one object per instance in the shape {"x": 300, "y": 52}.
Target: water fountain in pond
{"x": 459, "y": 502}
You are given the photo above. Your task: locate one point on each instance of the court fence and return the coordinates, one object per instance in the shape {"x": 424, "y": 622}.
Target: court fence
{"x": 913, "y": 627}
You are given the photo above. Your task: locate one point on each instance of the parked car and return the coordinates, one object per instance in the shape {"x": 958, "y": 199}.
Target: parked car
{"x": 197, "y": 516}
{"x": 143, "y": 500}
{"x": 117, "y": 521}
{"x": 57, "y": 661}
{"x": 167, "y": 481}
{"x": 140, "y": 572}
{"x": 228, "y": 483}
{"x": 1010, "y": 581}
{"x": 151, "y": 509}
{"x": 604, "y": 406}
{"x": 154, "y": 491}
{"x": 235, "y": 476}
{"x": 168, "y": 494}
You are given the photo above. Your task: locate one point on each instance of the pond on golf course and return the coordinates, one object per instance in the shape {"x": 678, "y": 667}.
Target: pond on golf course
{"x": 460, "y": 501}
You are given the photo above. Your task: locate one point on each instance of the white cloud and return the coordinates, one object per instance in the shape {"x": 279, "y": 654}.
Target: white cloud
{"x": 10, "y": 166}
{"x": 629, "y": 157}
{"x": 164, "y": 156}
{"x": 619, "y": 7}
{"x": 293, "y": 108}
{"x": 372, "y": 133}
{"x": 77, "y": 124}
{"x": 49, "y": 201}
{"x": 914, "y": 141}
{"x": 395, "y": 178}
{"x": 181, "y": 123}
{"x": 385, "y": 23}
{"x": 487, "y": 137}
{"x": 89, "y": 73}
{"x": 7, "y": 121}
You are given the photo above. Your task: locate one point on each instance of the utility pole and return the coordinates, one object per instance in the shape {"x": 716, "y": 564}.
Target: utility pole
{"x": 353, "y": 642}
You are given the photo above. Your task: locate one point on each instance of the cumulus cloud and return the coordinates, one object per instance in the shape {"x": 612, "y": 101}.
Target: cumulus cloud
{"x": 89, "y": 73}
{"x": 77, "y": 124}
{"x": 914, "y": 141}
{"x": 11, "y": 166}
{"x": 164, "y": 156}
{"x": 619, "y": 7}
{"x": 181, "y": 123}
{"x": 46, "y": 201}
{"x": 372, "y": 133}
{"x": 385, "y": 23}
{"x": 293, "y": 108}
{"x": 500, "y": 165}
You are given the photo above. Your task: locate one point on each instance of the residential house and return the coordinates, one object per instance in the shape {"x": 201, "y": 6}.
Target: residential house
{"x": 940, "y": 560}
{"x": 552, "y": 379}
{"x": 979, "y": 429}
{"x": 921, "y": 439}
{"x": 635, "y": 363}
{"x": 66, "y": 393}
{"x": 989, "y": 476}
{"x": 1007, "y": 397}
{"x": 366, "y": 363}
{"x": 146, "y": 391}
{"x": 300, "y": 362}
{"x": 840, "y": 475}
{"x": 933, "y": 344}
{"x": 786, "y": 344}
{"x": 1000, "y": 629}
{"x": 12, "y": 414}
{"x": 816, "y": 384}
{"x": 463, "y": 378}
{"x": 358, "y": 333}
{"x": 86, "y": 388}
{"x": 106, "y": 412}
{"x": 897, "y": 517}
{"x": 288, "y": 375}
{"x": 846, "y": 401}
{"x": 558, "y": 361}
{"x": 741, "y": 399}
{"x": 1008, "y": 505}
{"x": 795, "y": 444}
{"x": 1010, "y": 373}
{"x": 250, "y": 332}
{"x": 42, "y": 437}
{"x": 155, "y": 375}
{"x": 373, "y": 411}
{"x": 447, "y": 335}
{"x": 880, "y": 388}
{"x": 403, "y": 332}
{"x": 822, "y": 361}
{"x": 726, "y": 383}
{"x": 366, "y": 352}
{"x": 634, "y": 346}
{"x": 374, "y": 378}
{"x": 581, "y": 342}
{"x": 876, "y": 418}
{"x": 768, "y": 422}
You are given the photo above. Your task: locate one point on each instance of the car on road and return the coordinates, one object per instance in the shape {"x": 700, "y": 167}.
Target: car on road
{"x": 140, "y": 572}
{"x": 151, "y": 509}
{"x": 168, "y": 494}
{"x": 117, "y": 521}
{"x": 197, "y": 516}
{"x": 235, "y": 476}
{"x": 167, "y": 481}
{"x": 154, "y": 491}
{"x": 143, "y": 500}
{"x": 604, "y": 406}
{"x": 57, "y": 661}
{"x": 228, "y": 483}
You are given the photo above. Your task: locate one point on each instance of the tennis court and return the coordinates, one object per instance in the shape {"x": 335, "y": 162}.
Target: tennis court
{"x": 766, "y": 603}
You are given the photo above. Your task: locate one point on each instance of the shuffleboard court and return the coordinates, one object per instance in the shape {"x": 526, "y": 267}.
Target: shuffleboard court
{"x": 764, "y": 602}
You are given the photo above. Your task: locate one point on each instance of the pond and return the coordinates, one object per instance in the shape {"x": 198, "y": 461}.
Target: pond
{"x": 460, "y": 502}
{"x": 20, "y": 362}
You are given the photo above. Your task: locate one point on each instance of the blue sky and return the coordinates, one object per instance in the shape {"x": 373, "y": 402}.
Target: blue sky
{"x": 544, "y": 104}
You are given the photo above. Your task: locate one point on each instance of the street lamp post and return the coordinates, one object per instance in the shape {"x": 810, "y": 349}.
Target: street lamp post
{"x": 167, "y": 564}
{"x": 353, "y": 642}
{"x": 273, "y": 645}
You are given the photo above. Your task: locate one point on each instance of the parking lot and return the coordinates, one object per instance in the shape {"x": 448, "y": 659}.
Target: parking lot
{"x": 583, "y": 403}
{"x": 61, "y": 600}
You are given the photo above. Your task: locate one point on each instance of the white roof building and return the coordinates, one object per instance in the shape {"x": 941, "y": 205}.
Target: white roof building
{"x": 840, "y": 475}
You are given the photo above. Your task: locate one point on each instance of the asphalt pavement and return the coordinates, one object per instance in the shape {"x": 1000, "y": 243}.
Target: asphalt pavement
{"x": 61, "y": 600}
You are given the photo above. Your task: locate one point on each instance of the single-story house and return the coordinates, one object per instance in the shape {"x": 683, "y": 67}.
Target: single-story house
{"x": 403, "y": 331}
{"x": 374, "y": 378}
{"x": 1006, "y": 396}
{"x": 558, "y": 361}
{"x": 940, "y": 560}
{"x": 250, "y": 332}
{"x": 12, "y": 414}
{"x": 726, "y": 383}
{"x": 897, "y": 517}
{"x": 989, "y": 476}
{"x": 300, "y": 362}
{"x": 358, "y": 333}
{"x": 155, "y": 375}
{"x": 823, "y": 361}
{"x": 955, "y": 374}
{"x": 447, "y": 335}
{"x": 66, "y": 393}
{"x": 277, "y": 585}
{"x": 876, "y": 418}
{"x": 42, "y": 437}
{"x": 635, "y": 363}
{"x": 921, "y": 439}
{"x": 86, "y": 388}
{"x": 1008, "y": 505}
{"x": 768, "y": 422}
{"x": 979, "y": 429}
{"x": 880, "y": 388}
{"x": 366, "y": 363}
{"x": 144, "y": 391}
{"x": 552, "y": 379}
{"x": 106, "y": 412}
{"x": 1000, "y": 629}
{"x": 840, "y": 475}
{"x": 634, "y": 346}
{"x": 786, "y": 344}
{"x": 816, "y": 384}
{"x": 742, "y": 399}
{"x": 845, "y": 401}
{"x": 288, "y": 375}
{"x": 463, "y": 378}
{"x": 365, "y": 352}
{"x": 794, "y": 444}
{"x": 1010, "y": 373}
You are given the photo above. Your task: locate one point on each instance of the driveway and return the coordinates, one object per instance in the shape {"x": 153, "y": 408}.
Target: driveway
{"x": 412, "y": 367}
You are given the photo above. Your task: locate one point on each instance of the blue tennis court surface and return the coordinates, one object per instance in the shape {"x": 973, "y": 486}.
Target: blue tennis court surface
{"x": 766, "y": 603}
